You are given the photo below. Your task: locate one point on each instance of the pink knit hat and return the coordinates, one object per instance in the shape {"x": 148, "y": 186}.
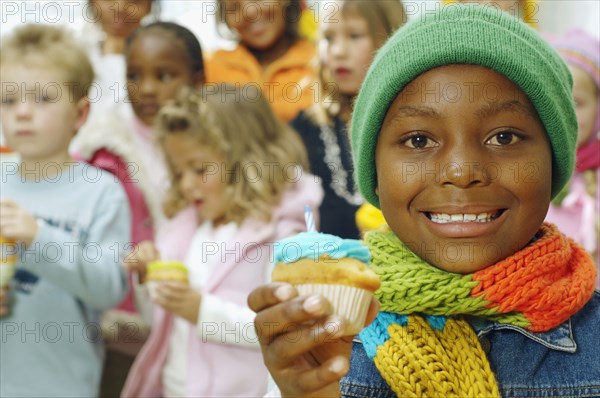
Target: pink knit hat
{"x": 580, "y": 49}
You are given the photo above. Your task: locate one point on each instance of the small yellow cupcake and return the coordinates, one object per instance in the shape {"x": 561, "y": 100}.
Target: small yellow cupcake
{"x": 159, "y": 272}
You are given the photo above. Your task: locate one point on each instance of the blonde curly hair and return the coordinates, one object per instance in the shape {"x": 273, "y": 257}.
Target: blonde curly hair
{"x": 237, "y": 123}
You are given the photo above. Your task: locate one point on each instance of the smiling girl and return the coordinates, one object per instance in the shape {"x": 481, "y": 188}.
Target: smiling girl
{"x": 270, "y": 53}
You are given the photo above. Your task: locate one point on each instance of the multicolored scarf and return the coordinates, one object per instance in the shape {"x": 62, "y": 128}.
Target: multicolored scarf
{"x": 420, "y": 343}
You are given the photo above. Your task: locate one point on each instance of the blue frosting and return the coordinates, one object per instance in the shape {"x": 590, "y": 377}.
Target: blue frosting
{"x": 314, "y": 245}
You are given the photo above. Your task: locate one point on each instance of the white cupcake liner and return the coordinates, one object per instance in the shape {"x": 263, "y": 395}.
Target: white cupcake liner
{"x": 351, "y": 303}
{"x": 153, "y": 288}
{"x": 7, "y": 271}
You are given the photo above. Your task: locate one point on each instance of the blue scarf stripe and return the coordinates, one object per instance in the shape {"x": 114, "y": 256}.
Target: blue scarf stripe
{"x": 376, "y": 333}
{"x": 437, "y": 322}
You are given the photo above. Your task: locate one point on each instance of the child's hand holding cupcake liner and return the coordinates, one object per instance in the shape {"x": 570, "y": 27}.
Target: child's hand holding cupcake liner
{"x": 302, "y": 329}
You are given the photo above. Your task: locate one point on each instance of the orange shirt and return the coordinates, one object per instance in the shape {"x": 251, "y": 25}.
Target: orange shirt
{"x": 289, "y": 84}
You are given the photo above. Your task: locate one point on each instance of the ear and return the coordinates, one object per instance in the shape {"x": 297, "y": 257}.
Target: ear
{"x": 377, "y": 190}
{"x": 83, "y": 111}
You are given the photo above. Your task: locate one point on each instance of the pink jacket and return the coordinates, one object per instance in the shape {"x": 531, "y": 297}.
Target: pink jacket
{"x": 108, "y": 143}
{"x": 577, "y": 217}
{"x": 141, "y": 220}
{"x": 228, "y": 370}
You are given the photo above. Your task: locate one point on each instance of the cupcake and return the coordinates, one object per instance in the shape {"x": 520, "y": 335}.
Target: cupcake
{"x": 8, "y": 261}
{"x": 164, "y": 271}
{"x": 336, "y": 268}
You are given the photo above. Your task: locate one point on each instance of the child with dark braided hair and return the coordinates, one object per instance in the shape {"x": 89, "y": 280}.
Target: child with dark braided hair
{"x": 161, "y": 58}
{"x": 463, "y": 131}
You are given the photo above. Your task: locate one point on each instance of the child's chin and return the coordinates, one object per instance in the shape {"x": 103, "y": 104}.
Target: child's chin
{"x": 467, "y": 263}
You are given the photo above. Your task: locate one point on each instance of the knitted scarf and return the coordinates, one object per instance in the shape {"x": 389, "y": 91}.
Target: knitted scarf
{"x": 420, "y": 343}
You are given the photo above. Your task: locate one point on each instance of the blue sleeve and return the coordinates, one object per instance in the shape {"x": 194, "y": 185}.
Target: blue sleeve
{"x": 90, "y": 270}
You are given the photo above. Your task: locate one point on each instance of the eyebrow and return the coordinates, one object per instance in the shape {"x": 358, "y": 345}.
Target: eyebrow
{"x": 491, "y": 108}
{"x": 517, "y": 106}
{"x": 413, "y": 111}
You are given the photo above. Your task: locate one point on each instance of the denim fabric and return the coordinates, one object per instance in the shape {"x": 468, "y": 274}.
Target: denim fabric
{"x": 563, "y": 362}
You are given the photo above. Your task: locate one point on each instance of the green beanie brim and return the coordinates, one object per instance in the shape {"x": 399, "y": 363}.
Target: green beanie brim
{"x": 475, "y": 35}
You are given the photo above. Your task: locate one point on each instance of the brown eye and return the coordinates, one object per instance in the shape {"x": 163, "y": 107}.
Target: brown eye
{"x": 132, "y": 77}
{"x": 165, "y": 77}
{"x": 418, "y": 141}
{"x": 503, "y": 138}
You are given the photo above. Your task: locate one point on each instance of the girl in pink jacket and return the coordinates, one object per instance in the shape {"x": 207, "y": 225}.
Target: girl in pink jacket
{"x": 161, "y": 58}
{"x": 576, "y": 211}
{"x": 237, "y": 185}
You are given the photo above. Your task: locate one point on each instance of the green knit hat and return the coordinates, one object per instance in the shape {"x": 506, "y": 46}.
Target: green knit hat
{"x": 466, "y": 34}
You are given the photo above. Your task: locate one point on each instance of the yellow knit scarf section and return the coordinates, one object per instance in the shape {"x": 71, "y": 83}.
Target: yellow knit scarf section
{"x": 421, "y": 361}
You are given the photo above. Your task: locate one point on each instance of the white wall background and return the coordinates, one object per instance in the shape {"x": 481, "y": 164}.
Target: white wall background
{"x": 555, "y": 16}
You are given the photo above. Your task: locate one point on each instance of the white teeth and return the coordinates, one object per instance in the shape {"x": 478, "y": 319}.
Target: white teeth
{"x": 456, "y": 218}
{"x": 470, "y": 217}
{"x": 443, "y": 218}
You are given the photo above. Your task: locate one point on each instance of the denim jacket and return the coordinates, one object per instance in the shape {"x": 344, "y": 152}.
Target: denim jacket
{"x": 563, "y": 362}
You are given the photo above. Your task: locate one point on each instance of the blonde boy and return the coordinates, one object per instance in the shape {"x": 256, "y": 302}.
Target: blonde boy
{"x": 70, "y": 220}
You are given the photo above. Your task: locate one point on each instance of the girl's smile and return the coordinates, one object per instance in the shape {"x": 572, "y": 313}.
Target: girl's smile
{"x": 259, "y": 24}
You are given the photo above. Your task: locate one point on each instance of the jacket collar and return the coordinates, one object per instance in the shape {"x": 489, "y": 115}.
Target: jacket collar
{"x": 298, "y": 55}
{"x": 559, "y": 338}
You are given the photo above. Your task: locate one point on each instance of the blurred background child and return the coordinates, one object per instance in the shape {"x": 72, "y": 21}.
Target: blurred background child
{"x": 114, "y": 21}
{"x": 576, "y": 211}
{"x": 162, "y": 57}
{"x": 348, "y": 41}
{"x": 70, "y": 219}
{"x": 270, "y": 53}
{"x": 238, "y": 185}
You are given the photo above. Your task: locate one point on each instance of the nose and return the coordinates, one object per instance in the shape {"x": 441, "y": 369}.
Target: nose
{"x": 252, "y": 10}
{"x": 24, "y": 109}
{"x": 338, "y": 47}
{"x": 147, "y": 86}
{"x": 464, "y": 168}
{"x": 187, "y": 182}
{"x": 120, "y": 7}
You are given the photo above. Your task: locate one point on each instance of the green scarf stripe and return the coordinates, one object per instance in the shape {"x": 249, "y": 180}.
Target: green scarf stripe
{"x": 410, "y": 285}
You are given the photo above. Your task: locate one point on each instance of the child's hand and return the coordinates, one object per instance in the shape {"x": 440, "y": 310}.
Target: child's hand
{"x": 144, "y": 253}
{"x": 179, "y": 299}
{"x": 301, "y": 344}
{"x": 3, "y": 301}
{"x": 16, "y": 223}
